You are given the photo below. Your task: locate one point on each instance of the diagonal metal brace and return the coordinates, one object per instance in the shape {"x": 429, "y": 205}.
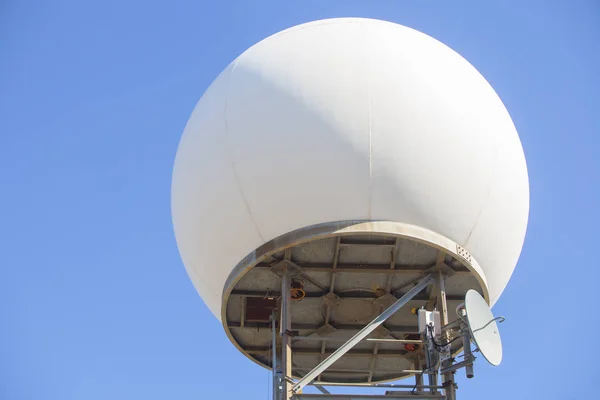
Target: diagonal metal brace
{"x": 322, "y": 390}
{"x": 362, "y": 334}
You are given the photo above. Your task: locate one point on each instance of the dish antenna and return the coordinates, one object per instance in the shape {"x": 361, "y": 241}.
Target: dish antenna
{"x": 476, "y": 324}
{"x": 483, "y": 328}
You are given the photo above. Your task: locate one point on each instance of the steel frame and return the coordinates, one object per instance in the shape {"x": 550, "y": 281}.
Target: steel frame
{"x": 284, "y": 387}
{"x": 362, "y": 334}
{"x": 346, "y": 234}
{"x": 391, "y": 396}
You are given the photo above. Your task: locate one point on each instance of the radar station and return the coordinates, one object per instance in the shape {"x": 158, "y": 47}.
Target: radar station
{"x": 350, "y": 198}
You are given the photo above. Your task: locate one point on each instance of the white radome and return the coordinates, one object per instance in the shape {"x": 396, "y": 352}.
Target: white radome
{"x": 347, "y": 119}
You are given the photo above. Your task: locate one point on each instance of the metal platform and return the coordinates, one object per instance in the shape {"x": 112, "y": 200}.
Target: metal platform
{"x": 350, "y": 272}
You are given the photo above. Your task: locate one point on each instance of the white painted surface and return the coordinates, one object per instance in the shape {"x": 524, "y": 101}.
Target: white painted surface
{"x": 347, "y": 119}
{"x": 483, "y": 327}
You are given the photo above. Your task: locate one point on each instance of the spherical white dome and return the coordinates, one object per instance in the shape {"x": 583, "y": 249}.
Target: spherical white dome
{"x": 347, "y": 119}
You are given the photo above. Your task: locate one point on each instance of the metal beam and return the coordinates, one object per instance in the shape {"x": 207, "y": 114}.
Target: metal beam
{"x": 275, "y": 374}
{"x": 332, "y": 275}
{"x": 419, "y": 378}
{"x": 388, "y": 287}
{"x": 366, "y": 244}
{"x": 361, "y": 371}
{"x": 322, "y": 390}
{"x": 317, "y": 295}
{"x": 469, "y": 358}
{"x": 243, "y": 311}
{"x": 372, "y": 362}
{"x": 393, "y": 259}
{"x": 315, "y": 352}
{"x": 371, "y": 385}
{"x": 285, "y": 328}
{"x": 339, "y": 327}
{"x": 362, "y": 334}
{"x": 368, "y": 268}
{"x": 395, "y": 395}
{"x": 374, "y": 340}
{"x": 442, "y": 297}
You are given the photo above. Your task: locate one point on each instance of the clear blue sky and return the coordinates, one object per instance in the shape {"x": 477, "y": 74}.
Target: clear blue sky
{"x": 94, "y": 95}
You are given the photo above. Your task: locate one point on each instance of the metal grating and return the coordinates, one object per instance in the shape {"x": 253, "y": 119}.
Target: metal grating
{"x": 348, "y": 280}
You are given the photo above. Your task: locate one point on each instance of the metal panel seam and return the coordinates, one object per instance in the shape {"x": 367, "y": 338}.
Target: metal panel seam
{"x": 235, "y": 174}
{"x": 491, "y": 187}
{"x": 368, "y": 73}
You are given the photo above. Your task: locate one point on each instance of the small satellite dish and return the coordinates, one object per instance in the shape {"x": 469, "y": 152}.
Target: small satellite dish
{"x": 483, "y": 327}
